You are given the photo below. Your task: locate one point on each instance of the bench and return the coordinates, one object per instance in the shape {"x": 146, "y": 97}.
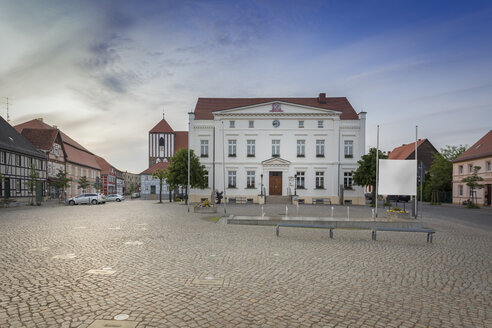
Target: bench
{"x": 429, "y": 232}
{"x": 321, "y": 201}
{"x": 294, "y": 225}
{"x": 237, "y": 200}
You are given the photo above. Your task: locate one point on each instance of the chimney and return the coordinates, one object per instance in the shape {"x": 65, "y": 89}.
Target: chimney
{"x": 55, "y": 127}
{"x": 40, "y": 119}
{"x": 322, "y": 98}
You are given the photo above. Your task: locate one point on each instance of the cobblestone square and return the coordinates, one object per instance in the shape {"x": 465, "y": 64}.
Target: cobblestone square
{"x": 69, "y": 266}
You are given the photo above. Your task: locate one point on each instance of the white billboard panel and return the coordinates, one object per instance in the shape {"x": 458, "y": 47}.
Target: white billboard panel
{"x": 397, "y": 177}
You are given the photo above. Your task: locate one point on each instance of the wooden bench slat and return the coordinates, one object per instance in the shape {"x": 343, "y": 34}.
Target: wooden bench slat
{"x": 430, "y": 232}
{"x": 298, "y": 225}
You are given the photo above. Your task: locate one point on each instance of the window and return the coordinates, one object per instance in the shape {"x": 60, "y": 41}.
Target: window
{"x": 161, "y": 143}
{"x": 232, "y": 124}
{"x": 275, "y": 148}
{"x": 461, "y": 190}
{"x": 206, "y": 178}
{"x": 300, "y": 178}
{"x": 251, "y": 145}
{"x": 347, "y": 180}
{"x": 231, "y": 179}
{"x": 251, "y": 124}
{"x": 320, "y": 180}
{"x": 57, "y": 151}
{"x": 250, "y": 179}
{"x": 320, "y": 148}
{"x": 2, "y": 157}
{"x": 470, "y": 168}
{"x": 301, "y": 124}
{"x": 320, "y": 124}
{"x": 488, "y": 166}
{"x": 461, "y": 169}
{"x": 232, "y": 148}
{"x": 203, "y": 148}
{"x": 17, "y": 160}
{"x": 18, "y": 185}
{"x": 349, "y": 148}
{"x": 301, "y": 148}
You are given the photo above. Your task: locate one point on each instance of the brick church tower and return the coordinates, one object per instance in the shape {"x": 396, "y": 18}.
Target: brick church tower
{"x": 164, "y": 142}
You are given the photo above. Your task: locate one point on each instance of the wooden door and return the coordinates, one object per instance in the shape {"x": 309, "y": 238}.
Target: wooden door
{"x": 275, "y": 183}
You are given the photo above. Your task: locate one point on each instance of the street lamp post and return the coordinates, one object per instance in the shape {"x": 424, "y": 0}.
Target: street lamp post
{"x": 261, "y": 187}
{"x": 295, "y": 184}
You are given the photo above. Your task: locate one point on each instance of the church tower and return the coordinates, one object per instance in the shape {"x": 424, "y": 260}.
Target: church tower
{"x": 164, "y": 142}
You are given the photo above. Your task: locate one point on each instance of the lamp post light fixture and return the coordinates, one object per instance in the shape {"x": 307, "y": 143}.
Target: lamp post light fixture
{"x": 261, "y": 187}
{"x": 295, "y": 184}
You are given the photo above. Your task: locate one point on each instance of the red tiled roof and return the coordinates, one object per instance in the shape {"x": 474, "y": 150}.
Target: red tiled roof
{"x": 104, "y": 165}
{"x": 404, "y": 151}
{"x": 160, "y": 165}
{"x": 78, "y": 156}
{"x": 206, "y": 106}
{"x": 162, "y": 126}
{"x": 38, "y": 124}
{"x": 181, "y": 140}
{"x": 482, "y": 148}
{"x": 42, "y": 139}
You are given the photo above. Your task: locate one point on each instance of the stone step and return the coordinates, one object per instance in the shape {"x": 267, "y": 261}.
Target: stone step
{"x": 278, "y": 200}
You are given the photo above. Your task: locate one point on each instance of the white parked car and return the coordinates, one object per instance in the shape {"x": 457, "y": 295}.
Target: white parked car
{"x": 115, "y": 198}
{"x": 87, "y": 199}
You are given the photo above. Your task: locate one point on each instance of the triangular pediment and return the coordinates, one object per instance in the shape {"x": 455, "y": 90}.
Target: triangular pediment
{"x": 276, "y": 161}
{"x": 276, "y": 108}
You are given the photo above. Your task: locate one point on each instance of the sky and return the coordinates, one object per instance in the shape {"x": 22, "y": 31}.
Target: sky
{"x": 104, "y": 72}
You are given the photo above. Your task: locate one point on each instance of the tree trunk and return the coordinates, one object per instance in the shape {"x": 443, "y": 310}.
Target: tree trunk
{"x": 186, "y": 198}
{"x": 160, "y": 191}
{"x": 374, "y": 196}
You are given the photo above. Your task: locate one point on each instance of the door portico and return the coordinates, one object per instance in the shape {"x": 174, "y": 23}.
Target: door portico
{"x": 277, "y": 170}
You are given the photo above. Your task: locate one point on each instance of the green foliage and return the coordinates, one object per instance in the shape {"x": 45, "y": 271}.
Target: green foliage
{"x": 132, "y": 188}
{"x": 473, "y": 181}
{"x": 441, "y": 171}
{"x": 365, "y": 175}
{"x": 62, "y": 181}
{"x": 83, "y": 183}
{"x": 177, "y": 173}
{"x": 32, "y": 182}
{"x": 161, "y": 175}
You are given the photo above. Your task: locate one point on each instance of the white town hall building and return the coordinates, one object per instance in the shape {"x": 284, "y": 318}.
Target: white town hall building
{"x": 279, "y": 147}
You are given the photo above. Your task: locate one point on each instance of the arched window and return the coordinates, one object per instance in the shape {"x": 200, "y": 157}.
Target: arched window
{"x": 161, "y": 142}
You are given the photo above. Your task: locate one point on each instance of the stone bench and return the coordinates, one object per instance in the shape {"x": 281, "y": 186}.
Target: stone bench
{"x": 321, "y": 201}
{"x": 294, "y": 225}
{"x": 430, "y": 232}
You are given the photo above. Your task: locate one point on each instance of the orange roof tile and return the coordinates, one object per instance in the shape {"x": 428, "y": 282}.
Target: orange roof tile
{"x": 42, "y": 139}
{"x": 481, "y": 148}
{"x": 162, "y": 126}
{"x": 405, "y": 150}
{"x": 181, "y": 140}
{"x": 206, "y": 106}
{"x": 103, "y": 164}
{"x": 160, "y": 165}
{"x": 78, "y": 156}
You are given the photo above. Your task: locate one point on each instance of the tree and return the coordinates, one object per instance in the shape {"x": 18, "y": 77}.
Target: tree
{"x": 161, "y": 175}
{"x": 83, "y": 183}
{"x": 472, "y": 181}
{"x": 365, "y": 175}
{"x": 441, "y": 170}
{"x": 62, "y": 182}
{"x": 132, "y": 188}
{"x": 32, "y": 182}
{"x": 177, "y": 173}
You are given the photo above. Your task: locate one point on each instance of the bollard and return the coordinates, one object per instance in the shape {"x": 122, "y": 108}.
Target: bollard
{"x": 332, "y": 208}
{"x": 348, "y": 212}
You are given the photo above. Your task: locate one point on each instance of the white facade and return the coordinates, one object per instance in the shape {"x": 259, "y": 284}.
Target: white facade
{"x": 150, "y": 187}
{"x": 291, "y": 141}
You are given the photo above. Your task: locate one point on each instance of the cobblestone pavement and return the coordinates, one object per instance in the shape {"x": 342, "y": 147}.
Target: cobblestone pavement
{"x": 164, "y": 268}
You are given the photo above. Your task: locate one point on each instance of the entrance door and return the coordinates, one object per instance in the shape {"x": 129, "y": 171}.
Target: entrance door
{"x": 275, "y": 183}
{"x": 6, "y": 183}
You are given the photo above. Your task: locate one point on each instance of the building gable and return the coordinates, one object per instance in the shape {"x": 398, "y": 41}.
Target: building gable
{"x": 276, "y": 108}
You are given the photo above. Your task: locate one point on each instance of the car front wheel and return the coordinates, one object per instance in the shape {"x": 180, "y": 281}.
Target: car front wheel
{"x": 71, "y": 202}
{"x": 118, "y": 200}
{"x": 94, "y": 202}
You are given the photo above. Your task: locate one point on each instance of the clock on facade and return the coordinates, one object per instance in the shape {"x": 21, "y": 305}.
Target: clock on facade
{"x": 276, "y": 123}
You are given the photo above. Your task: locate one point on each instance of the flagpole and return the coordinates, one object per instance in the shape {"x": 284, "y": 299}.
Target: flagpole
{"x": 377, "y": 173}
{"x": 223, "y": 167}
{"x": 416, "y": 161}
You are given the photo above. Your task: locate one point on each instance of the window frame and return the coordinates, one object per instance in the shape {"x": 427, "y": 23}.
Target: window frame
{"x": 300, "y": 124}
{"x": 251, "y": 124}
{"x": 319, "y": 180}
{"x": 348, "y": 180}
{"x": 300, "y": 180}
{"x": 320, "y": 148}
{"x": 231, "y": 177}
{"x": 232, "y": 124}
{"x": 232, "y": 147}
{"x": 348, "y": 148}
{"x": 250, "y": 179}
{"x": 320, "y": 124}
{"x": 275, "y": 147}
{"x": 301, "y": 147}
{"x": 204, "y": 144}
{"x": 250, "y": 145}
